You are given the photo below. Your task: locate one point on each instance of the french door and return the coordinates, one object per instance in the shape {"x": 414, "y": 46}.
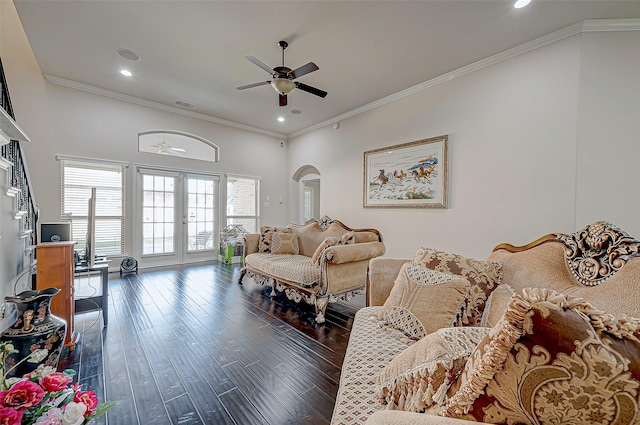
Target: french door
{"x": 178, "y": 217}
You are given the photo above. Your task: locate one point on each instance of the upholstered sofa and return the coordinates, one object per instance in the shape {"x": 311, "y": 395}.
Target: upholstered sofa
{"x": 320, "y": 262}
{"x": 547, "y": 333}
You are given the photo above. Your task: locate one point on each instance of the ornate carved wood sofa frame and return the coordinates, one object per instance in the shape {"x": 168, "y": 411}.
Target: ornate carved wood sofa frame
{"x": 600, "y": 264}
{"x": 340, "y": 275}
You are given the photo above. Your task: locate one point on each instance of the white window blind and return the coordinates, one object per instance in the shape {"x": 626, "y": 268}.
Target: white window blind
{"x": 243, "y": 202}
{"x": 78, "y": 177}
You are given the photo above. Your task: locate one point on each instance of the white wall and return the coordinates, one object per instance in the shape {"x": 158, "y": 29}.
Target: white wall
{"x": 609, "y": 130}
{"x": 512, "y": 131}
{"x": 539, "y": 143}
{"x": 62, "y": 120}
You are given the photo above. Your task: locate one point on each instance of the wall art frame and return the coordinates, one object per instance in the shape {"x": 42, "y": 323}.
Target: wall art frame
{"x": 410, "y": 175}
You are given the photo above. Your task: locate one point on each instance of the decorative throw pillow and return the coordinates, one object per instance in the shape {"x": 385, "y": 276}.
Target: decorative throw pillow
{"x": 266, "y": 236}
{"x": 552, "y": 358}
{"x": 421, "y": 375}
{"x": 496, "y": 305}
{"x": 348, "y": 238}
{"x": 284, "y": 243}
{"x": 423, "y": 300}
{"x": 483, "y": 276}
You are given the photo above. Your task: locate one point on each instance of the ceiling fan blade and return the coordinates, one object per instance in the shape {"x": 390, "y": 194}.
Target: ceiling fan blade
{"x": 303, "y": 70}
{"x": 261, "y": 64}
{"x": 248, "y": 86}
{"x": 309, "y": 89}
{"x": 283, "y": 99}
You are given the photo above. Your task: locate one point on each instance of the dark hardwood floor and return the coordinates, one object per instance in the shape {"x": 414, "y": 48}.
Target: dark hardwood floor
{"x": 188, "y": 345}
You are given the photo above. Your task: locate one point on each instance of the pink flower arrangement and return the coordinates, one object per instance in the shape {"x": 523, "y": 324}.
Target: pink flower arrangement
{"x": 46, "y": 397}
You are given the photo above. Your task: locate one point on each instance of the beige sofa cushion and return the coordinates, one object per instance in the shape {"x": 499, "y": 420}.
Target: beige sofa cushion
{"x": 346, "y": 239}
{"x": 552, "y": 358}
{"x": 311, "y": 235}
{"x": 369, "y": 350}
{"x": 266, "y": 237}
{"x": 292, "y": 268}
{"x": 421, "y": 375}
{"x": 284, "y": 243}
{"x": 496, "y": 305}
{"x": 483, "y": 276}
{"x": 423, "y": 300}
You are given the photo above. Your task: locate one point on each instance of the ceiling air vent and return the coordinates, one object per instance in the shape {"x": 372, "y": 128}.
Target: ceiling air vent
{"x": 185, "y": 104}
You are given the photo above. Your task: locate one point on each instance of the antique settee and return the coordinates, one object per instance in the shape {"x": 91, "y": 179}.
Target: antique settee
{"x": 547, "y": 333}
{"x": 320, "y": 262}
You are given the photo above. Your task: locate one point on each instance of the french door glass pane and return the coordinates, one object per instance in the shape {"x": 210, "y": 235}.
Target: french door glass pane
{"x": 157, "y": 214}
{"x": 200, "y": 213}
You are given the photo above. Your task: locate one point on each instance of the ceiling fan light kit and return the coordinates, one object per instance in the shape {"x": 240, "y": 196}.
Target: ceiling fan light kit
{"x": 283, "y": 85}
{"x": 282, "y": 77}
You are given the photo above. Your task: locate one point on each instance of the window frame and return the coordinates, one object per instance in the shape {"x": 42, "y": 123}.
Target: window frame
{"x": 257, "y": 215}
{"x": 68, "y": 162}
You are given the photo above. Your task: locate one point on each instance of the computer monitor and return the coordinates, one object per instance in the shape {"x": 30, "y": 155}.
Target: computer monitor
{"x": 90, "y": 250}
{"x": 55, "y": 232}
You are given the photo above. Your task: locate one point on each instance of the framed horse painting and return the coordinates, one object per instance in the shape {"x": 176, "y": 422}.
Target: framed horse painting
{"x": 411, "y": 175}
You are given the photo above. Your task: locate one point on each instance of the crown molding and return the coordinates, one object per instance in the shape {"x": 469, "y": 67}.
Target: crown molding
{"x": 584, "y": 26}
{"x": 595, "y": 25}
{"x": 150, "y": 104}
{"x": 611, "y": 25}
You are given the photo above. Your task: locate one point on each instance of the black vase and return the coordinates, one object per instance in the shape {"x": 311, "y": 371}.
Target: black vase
{"x": 35, "y": 329}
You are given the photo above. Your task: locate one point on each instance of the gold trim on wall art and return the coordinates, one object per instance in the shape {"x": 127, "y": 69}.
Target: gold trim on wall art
{"x": 410, "y": 175}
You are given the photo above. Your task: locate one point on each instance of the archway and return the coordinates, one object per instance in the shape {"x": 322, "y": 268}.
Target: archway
{"x": 176, "y": 143}
{"x": 308, "y": 178}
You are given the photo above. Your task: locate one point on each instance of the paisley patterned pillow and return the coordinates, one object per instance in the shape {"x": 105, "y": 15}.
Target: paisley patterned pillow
{"x": 552, "y": 358}
{"x": 484, "y": 277}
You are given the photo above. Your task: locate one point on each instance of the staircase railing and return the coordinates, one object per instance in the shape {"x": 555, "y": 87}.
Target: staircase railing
{"x": 19, "y": 178}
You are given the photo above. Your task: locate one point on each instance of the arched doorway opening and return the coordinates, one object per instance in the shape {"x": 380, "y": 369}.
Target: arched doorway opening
{"x": 308, "y": 178}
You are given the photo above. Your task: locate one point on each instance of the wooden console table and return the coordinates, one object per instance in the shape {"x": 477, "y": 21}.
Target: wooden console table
{"x": 55, "y": 270}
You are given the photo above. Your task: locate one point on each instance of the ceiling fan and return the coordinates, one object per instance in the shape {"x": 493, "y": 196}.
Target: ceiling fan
{"x": 165, "y": 148}
{"x": 282, "y": 77}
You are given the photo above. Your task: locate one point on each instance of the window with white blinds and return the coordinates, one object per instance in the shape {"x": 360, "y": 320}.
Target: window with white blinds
{"x": 78, "y": 177}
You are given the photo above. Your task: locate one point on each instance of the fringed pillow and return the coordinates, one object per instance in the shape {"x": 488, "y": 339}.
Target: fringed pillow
{"x": 348, "y": 238}
{"x": 266, "y": 237}
{"x": 484, "y": 277}
{"x": 552, "y": 358}
{"x": 284, "y": 243}
{"x": 420, "y": 376}
{"x": 422, "y": 301}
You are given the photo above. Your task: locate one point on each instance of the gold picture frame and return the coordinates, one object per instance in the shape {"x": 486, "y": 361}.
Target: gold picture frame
{"x": 410, "y": 175}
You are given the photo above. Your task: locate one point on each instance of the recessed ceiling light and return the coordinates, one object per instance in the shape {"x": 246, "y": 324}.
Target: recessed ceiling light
{"x": 126, "y": 72}
{"x": 521, "y": 3}
{"x": 128, "y": 54}
{"x": 280, "y": 119}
